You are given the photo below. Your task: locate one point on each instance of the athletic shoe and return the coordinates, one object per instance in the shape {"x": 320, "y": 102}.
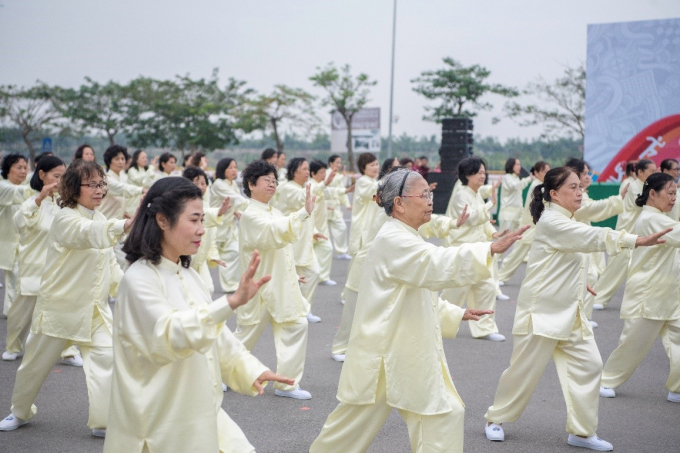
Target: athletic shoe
{"x": 99, "y": 432}
{"x": 494, "y": 337}
{"x": 342, "y": 301}
{"x": 338, "y": 357}
{"x": 606, "y": 392}
{"x": 501, "y": 283}
{"x": 11, "y": 422}
{"x": 297, "y": 394}
{"x": 598, "y": 307}
{"x": 593, "y": 324}
{"x": 76, "y": 360}
{"x": 328, "y": 282}
{"x": 494, "y": 432}
{"x": 502, "y": 296}
{"x": 224, "y": 387}
{"x": 10, "y": 356}
{"x": 674, "y": 397}
{"x": 344, "y": 256}
{"x": 592, "y": 443}
{"x": 313, "y": 318}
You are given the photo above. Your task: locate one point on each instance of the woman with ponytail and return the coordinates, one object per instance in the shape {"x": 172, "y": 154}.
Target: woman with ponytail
{"x": 550, "y": 321}
{"x": 650, "y": 307}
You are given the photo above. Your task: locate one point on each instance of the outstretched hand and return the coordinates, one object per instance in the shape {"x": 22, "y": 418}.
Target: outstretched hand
{"x": 591, "y": 290}
{"x": 462, "y": 218}
{"x": 625, "y": 190}
{"x": 652, "y": 239}
{"x": 270, "y": 376}
{"x": 309, "y": 200}
{"x": 330, "y": 177}
{"x": 248, "y": 287}
{"x": 500, "y": 234}
{"x": 504, "y": 243}
{"x": 226, "y": 204}
{"x": 472, "y": 314}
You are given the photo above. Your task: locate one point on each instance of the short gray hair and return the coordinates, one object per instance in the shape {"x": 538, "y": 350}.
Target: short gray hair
{"x": 390, "y": 187}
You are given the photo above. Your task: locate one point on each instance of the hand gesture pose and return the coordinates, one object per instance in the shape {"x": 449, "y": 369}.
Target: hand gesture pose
{"x": 248, "y": 287}
{"x": 309, "y": 200}
{"x": 507, "y": 239}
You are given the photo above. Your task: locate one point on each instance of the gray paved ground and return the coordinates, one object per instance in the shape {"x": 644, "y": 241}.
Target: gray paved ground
{"x": 638, "y": 420}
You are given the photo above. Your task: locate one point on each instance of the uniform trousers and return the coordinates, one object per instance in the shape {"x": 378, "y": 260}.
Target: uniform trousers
{"x": 341, "y": 338}
{"x": 311, "y": 275}
{"x": 579, "y": 366}
{"x": 11, "y": 287}
{"x": 596, "y": 266}
{"x": 513, "y": 260}
{"x": 230, "y": 275}
{"x": 120, "y": 255}
{"x": 352, "y": 427}
{"x": 290, "y": 341}
{"x": 338, "y": 229}
{"x": 19, "y": 325}
{"x": 324, "y": 256}
{"x": 612, "y": 278}
{"x": 480, "y": 296}
{"x": 43, "y": 351}
{"x": 636, "y": 340}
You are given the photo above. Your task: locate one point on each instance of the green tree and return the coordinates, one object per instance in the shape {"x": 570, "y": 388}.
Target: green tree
{"x": 96, "y": 107}
{"x": 285, "y": 104}
{"x": 31, "y": 110}
{"x": 459, "y": 89}
{"x": 561, "y": 107}
{"x": 346, "y": 94}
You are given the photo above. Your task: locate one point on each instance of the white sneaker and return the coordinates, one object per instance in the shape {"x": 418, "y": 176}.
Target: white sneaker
{"x": 313, "y": 318}
{"x": 338, "y": 357}
{"x": 674, "y": 397}
{"x": 606, "y": 392}
{"x": 11, "y": 422}
{"x": 501, "y": 283}
{"x": 598, "y": 307}
{"x": 593, "y": 324}
{"x": 224, "y": 387}
{"x": 297, "y": 394}
{"x": 1, "y": 285}
{"x": 344, "y": 256}
{"x": 494, "y": 337}
{"x": 10, "y": 356}
{"x": 342, "y": 301}
{"x": 328, "y": 282}
{"x": 592, "y": 442}
{"x": 99, "y": 432}
{"x": 76, "y": 360}
{"x": 502, "y": 296}
{"x": 494, "y": 432}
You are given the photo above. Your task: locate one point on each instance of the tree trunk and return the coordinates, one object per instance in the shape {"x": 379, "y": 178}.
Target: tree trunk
{"x": 279, "y": 144}
{"x": 111, "y": 136}
{"x": 350, "y": 148}
{"x": 29, "y": 143}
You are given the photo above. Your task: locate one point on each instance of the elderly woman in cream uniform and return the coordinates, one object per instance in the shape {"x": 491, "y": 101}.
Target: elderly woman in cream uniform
{"x": 280, "y": 303}
{"x": 651, "y": 302}
{"x": 511, "y": 195}
{"x": 225, "y": 186}
{"x": 395, "y": 357}
{"x": 170, "y": 340}
{"x": 33, "y": 222}
{"x": 80, "y": 274}
{"x": 291, "y": 198}
{"x": 550, "y": 319}
{"x": 13, "y": 192}
{"x": 478, "y": 228}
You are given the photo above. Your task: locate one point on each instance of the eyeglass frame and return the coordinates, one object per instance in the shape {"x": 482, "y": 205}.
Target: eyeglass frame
{"x": 429, "y": 194}
{"x": 101, "y": 185}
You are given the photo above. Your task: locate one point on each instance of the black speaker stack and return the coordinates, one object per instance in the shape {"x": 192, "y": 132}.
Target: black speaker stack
{"x": 457, "y": 141}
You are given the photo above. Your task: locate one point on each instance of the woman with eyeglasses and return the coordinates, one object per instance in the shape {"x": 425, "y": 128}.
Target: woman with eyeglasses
{"x": 550, "y": 321}
{"x": 280, "y": 303}
{"x": 478, "y": 228}
{"x": 72, "y": 308}
{"x": 119, "y": 193}
{"x": 395, "y": 358}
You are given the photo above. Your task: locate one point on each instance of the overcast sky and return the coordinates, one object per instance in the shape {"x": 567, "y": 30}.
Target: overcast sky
{"x": 271, "y": 42}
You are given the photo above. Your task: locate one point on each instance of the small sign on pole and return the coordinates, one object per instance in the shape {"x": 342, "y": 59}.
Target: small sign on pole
{"x": 47, "y": 145}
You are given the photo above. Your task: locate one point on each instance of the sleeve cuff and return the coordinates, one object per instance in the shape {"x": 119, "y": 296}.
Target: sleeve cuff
{"x": 220, "y": 310}
{"x": 628, "y": 240}
{"x": 119, "y": 227}
{"x": 303, "y": 214}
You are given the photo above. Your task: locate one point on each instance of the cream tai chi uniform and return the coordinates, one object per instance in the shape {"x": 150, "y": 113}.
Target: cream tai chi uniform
{"x": 279, "y": 302}
{"x": 323, "y": 248}
{"x": 520, "y": 249}
{"x": 172, "y": 351}
{"x": 482, "y": 294}
{"x": 11, "y": 197}
{"x": 227, "y": 232}
{"x": 290, "y": 200}
{"x": 550, "y": 321}
{"x": 32, "y": 223}
{"x": 141, "y": 178}
{"x": 207, "y": 252}
{"x": 651, "y": 303}
{"x": 336, "y": 218}
{"x": 614, "y": 274}
{"x": 367, "y": 219}
{"x": 511, "y": 201}
{"x": 72, "y": 308}
{"x": 596, "y": 211}
{"x": 395, "y": 357}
